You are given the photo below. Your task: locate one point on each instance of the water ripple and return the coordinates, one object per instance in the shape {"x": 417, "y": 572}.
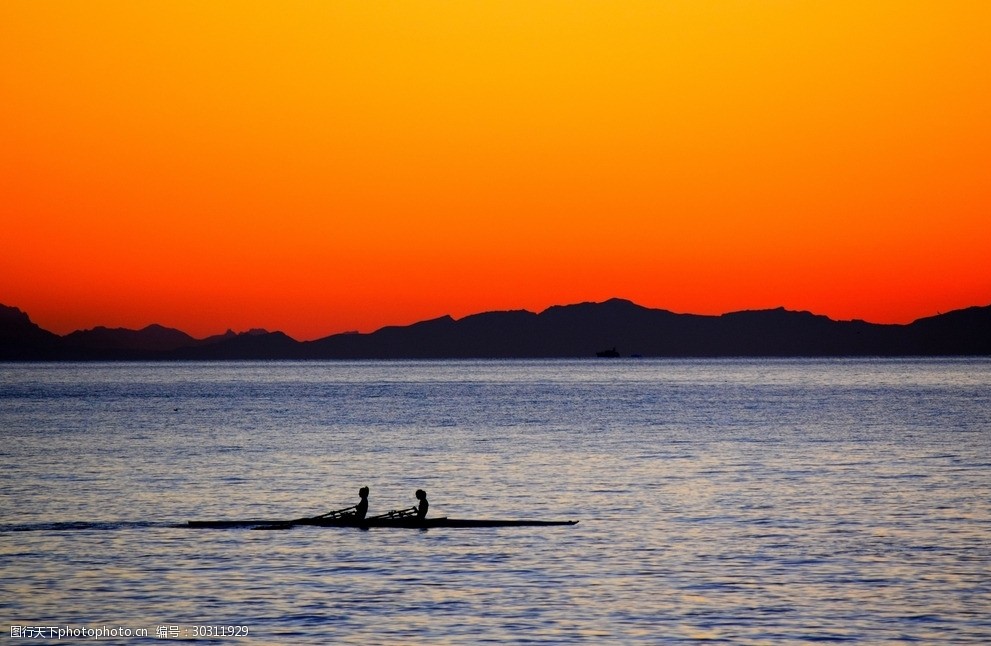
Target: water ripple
{"x": 735, "y": 502}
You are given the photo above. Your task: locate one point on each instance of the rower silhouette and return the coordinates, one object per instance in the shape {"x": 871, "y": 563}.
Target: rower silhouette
{"x": 357, "y": 511}
{"x": 421, "y": 510}
{"x": 362, "y": 507}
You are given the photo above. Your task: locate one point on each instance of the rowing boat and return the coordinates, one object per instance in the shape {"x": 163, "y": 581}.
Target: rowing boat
{"x": 400, "y": 522}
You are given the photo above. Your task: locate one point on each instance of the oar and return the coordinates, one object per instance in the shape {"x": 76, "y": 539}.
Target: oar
{"x": 395, "y": 513}
{"x": 289, "y": 524}
{"x": 337, "y": 513}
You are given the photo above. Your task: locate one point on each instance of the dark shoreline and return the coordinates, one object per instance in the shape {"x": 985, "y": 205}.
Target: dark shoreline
{"x": 564, "y": 332}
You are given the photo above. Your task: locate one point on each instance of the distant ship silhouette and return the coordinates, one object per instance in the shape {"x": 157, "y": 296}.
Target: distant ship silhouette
{"x": 607, "y": 354}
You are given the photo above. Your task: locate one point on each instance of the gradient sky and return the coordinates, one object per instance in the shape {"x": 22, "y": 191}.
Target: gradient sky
{"x": 316, "y": 167}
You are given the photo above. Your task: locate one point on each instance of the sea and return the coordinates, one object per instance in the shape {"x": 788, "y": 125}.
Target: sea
{"x": 737, "y": 501}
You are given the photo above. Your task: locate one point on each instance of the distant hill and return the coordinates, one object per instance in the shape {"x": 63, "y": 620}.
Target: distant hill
{"x": 154, "y": 338}
{"x": 584, "y": 329}
{"x": 23, "y": 340}
{"x": 567, "y": 331}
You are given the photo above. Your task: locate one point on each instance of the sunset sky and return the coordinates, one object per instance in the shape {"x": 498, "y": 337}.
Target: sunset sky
{"x": 316, "y": 167}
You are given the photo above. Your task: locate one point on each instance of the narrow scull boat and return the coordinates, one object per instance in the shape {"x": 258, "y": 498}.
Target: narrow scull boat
{"x": 395, "y": 522}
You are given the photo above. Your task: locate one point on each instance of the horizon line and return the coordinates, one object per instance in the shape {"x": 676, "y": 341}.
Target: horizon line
{"x": 262, "y": 330}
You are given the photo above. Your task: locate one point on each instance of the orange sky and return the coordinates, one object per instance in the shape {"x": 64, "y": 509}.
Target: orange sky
{"x": 316, "y": 167}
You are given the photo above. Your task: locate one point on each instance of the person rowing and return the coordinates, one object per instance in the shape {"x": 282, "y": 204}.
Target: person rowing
{"x": 420, "y": 511}
{"x": 357, "y": 511}
{"x": 362, "y": 507}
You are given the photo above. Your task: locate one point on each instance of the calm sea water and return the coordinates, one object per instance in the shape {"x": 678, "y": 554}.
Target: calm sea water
{"x": 743, "y": 502}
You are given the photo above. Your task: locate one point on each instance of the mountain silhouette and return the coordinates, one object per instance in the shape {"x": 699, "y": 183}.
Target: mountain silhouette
{"x": 564, "y": 331}
{"x": 22, "y": 340}
{"x": 154, "y": 338}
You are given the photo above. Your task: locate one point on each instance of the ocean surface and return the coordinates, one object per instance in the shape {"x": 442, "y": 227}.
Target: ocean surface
{"x": 732, "y": 501}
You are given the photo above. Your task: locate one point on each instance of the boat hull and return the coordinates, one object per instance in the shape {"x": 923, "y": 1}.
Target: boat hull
{"x": 367, "y": 523}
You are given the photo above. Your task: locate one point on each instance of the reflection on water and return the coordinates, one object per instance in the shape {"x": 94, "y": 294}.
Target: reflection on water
{"x": 743, "y": 501}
